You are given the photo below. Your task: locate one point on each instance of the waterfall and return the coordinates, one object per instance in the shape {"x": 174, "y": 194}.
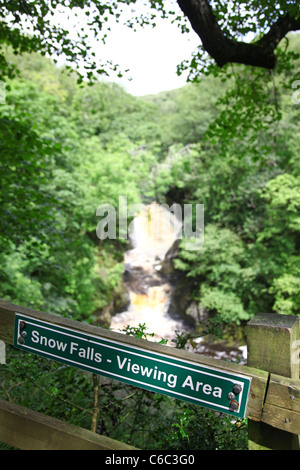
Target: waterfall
{"x": 152, "y": 233}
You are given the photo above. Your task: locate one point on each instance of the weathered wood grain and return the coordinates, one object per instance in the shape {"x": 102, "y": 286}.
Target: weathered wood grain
{"x": 270, "y": 340}
{"x": 26, "y": 429}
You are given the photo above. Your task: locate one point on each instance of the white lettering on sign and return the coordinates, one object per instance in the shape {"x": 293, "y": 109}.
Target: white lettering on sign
{"x": 206, "y": 388}
{"x": 85, "y": 353}
{"x": 43, "y": 340}
{"x": 156, "y": 374}
{"x": 162, "y": 373}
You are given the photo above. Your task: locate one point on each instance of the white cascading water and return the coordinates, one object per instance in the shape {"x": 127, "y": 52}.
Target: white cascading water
{"x": 153, "y": 232}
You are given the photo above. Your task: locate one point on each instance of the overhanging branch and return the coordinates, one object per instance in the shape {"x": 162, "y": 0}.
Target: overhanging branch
{"x": 223, "y": 49}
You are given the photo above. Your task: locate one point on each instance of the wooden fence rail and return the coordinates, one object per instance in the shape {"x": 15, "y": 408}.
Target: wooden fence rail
{"x": 29, "y": 430}
{"x": 273, "y": 404}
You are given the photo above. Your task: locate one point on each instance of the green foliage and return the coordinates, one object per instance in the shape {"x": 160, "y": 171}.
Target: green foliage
{"x": 38, "y": 27}
{"x": 65, "y": 150}
{"x": 45, "y": 386}
{"x": 215, "y": 326}
{"x": 138, "y": 332}
{"x": 49, "y": 194}
{"x": 219, "y": 267}
{"x": 106, "y": 110}
{"x": 184, "y": 115}
{"x": 249, "y": 109}
{"x": 248, "y": 260}
{"x": 281, "y": 235}
{"x": 286, "y": 289}
{"x": 198, "y": 429}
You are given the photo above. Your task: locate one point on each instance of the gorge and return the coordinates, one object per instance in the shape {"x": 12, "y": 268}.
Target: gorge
{"x": 152, "y": 288}
{"x": 154, "y": 231}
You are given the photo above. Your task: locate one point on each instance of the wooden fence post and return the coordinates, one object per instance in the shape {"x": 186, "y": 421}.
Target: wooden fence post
{"x": 271, "y": 341}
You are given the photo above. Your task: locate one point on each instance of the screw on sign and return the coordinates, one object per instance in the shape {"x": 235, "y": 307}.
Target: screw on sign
{"x": 236, "y": 389}
{"x": 156, "y": 371}
{"x": 234, "y": 405}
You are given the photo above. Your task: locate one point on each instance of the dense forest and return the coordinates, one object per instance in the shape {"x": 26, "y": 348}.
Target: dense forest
{"x": 68, "y": 147}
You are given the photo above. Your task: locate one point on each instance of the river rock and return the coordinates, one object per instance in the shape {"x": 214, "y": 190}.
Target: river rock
{"x": 167, "y": 265}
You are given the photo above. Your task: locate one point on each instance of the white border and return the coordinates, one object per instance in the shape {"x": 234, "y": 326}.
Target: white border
{"x": 35, "y": 322}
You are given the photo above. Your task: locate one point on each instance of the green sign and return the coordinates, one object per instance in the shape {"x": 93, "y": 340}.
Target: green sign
{"x": 179, "y": 378}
